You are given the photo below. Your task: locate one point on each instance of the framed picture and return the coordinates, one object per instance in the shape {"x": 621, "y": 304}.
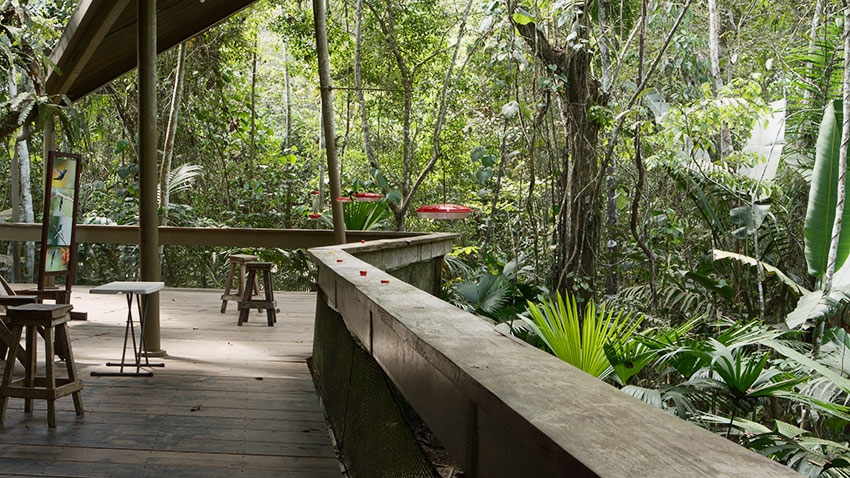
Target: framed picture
{"x": 58, "y": 236}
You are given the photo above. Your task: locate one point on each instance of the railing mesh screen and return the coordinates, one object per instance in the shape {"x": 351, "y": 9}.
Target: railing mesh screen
{"x": 372, "y": 435}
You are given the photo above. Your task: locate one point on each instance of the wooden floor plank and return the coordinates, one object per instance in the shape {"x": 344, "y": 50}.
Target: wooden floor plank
{"x": 229, "y": 400}
{"x": 166, "y": 458}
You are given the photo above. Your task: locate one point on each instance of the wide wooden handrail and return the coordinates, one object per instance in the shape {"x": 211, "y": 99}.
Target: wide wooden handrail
{"x": 203, "y": 236}
{"x": 501, "y": 407}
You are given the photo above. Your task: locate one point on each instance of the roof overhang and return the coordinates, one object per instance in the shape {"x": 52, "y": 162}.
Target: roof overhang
{"x": 99, "y": 42}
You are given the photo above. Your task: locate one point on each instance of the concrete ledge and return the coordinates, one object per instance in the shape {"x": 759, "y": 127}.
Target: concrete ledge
{"x": 501, "y": 407}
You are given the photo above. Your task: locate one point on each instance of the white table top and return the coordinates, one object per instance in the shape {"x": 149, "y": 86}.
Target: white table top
{"x": 124, "y": 287}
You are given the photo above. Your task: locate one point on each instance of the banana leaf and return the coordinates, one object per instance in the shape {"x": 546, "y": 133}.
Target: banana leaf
{"x": 823, "y": 196}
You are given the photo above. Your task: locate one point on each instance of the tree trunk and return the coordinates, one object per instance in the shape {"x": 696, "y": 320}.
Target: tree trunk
{"x": 496, "y": 190}
{"x": 641, "y": 170}
{"x": 578, "y": 224}
{"x": 21, "y": 157}
{"x": 714, "y": 54}
{"x": 288, "y": 101}
{"x": 611, "y": 209}
{"x": 358, "y": 88}
{"x": 328, "y": 116}
{"x": 171, "y": 132}
{"x": 252, "y": 155}
{"x": 15, "y": 179}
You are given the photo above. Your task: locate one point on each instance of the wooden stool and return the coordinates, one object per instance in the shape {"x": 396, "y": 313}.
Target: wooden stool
{"x": 47, "y": 317}
{"x": 240, "y": 260}
{"x": 6, "y": 338}
{"x": 246, "y": 304}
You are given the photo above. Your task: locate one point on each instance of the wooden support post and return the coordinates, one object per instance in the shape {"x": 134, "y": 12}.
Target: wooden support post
{"x": 328, "y": 117}
{"x": 148, "y": 178}
{"x": 48, "y": 144}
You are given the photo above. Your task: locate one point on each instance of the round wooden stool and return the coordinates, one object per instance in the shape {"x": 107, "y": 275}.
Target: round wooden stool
{"x": 268, "y": 303}
{"x": 236, "y": 260}
{"x": 46, "y": 317}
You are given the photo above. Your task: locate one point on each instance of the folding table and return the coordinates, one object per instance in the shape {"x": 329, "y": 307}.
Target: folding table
{"x": 139, "y": 290}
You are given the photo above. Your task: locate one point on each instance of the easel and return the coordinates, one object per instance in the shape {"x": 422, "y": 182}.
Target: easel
{"x": 58, "y": 255}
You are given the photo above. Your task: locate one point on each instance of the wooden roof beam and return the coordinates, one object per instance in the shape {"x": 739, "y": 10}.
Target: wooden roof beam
{"x": 84, "y": 33}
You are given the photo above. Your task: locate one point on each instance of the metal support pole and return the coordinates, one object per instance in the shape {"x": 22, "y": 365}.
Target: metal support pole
{"x": 328, "y": 117}
{"x": 148, "y": 178}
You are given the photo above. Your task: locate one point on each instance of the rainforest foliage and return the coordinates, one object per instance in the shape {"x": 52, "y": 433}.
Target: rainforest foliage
{"x": 654, "y": 183}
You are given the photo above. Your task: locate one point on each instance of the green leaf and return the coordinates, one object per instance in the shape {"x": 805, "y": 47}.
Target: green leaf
{"x": 721, "y": 288}
{"x": 580, "y": 341}
{"x": 483, "y": 175}
{"x": 820, "y": 213}
{"x": 749, "y": 219}
{"x": 809, "y": 363}
{"x": 477, "y": 153}
{"x": 815, "y": 305}
{"x": 488, "y": 160}
{"x": 382, "y": 180}
{"x": 394, "y": 196}
{"x": 522, "y": 16}
{"x": 509, "y": 110}
{"x": 796, "y": 289}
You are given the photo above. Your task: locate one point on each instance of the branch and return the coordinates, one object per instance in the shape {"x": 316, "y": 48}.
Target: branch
{"x": 622, "y": 119}
{"x": 441, "y": 115}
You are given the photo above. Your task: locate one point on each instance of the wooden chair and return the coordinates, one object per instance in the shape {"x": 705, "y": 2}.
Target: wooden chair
{"x": 236, "y": 260}
{"x": 51, "y": 319}
{"x": 9, "y": 298}
{"x": 59, "y": 296}
{"x": 268, "y": 303}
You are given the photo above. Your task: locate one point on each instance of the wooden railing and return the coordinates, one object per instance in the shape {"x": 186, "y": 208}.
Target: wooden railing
{"x": 199, "y": 236}
{"x": 501, "y": 407}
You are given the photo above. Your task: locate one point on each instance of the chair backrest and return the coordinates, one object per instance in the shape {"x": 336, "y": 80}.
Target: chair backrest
{"x": 7, "y": 289}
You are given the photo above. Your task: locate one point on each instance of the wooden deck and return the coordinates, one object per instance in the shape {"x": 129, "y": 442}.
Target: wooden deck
{"x": 230, "y": 399}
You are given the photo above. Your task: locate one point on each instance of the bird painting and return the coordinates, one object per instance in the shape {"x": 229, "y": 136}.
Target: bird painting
{"x": 58, "y": 235}
{"x": 61, "y": 174}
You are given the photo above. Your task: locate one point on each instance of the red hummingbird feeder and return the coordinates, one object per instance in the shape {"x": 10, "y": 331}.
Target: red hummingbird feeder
{"x": 367, "y": 197}
{"x": 444, "y": 211}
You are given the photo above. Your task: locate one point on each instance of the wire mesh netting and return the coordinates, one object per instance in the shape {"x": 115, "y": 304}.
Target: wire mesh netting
{"x": 372, "y": 435}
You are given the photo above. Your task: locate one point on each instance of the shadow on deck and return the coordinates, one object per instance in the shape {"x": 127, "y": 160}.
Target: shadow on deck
{"x": 229, "y": 400}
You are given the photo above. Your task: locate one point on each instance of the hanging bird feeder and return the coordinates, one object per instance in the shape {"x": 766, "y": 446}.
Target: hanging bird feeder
{"x": 367, "y": 197}
{"x": 315, "y": 215}
{"x": 444, "y": 211}
{"x": 344, "y": 199}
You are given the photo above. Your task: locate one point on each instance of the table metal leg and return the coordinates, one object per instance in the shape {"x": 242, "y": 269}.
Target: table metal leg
{"x": 130, "y": 332}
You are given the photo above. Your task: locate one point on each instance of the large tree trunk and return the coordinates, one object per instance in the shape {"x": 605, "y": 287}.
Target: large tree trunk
{"x": 21, "y": 158}
{"x": 171, "y": 132}
{"x": 15, "y": 179}
{"x": 578, "y": 223}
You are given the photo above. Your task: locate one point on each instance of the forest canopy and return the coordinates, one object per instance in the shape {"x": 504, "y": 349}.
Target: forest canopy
{"x": 680, "y": 163}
